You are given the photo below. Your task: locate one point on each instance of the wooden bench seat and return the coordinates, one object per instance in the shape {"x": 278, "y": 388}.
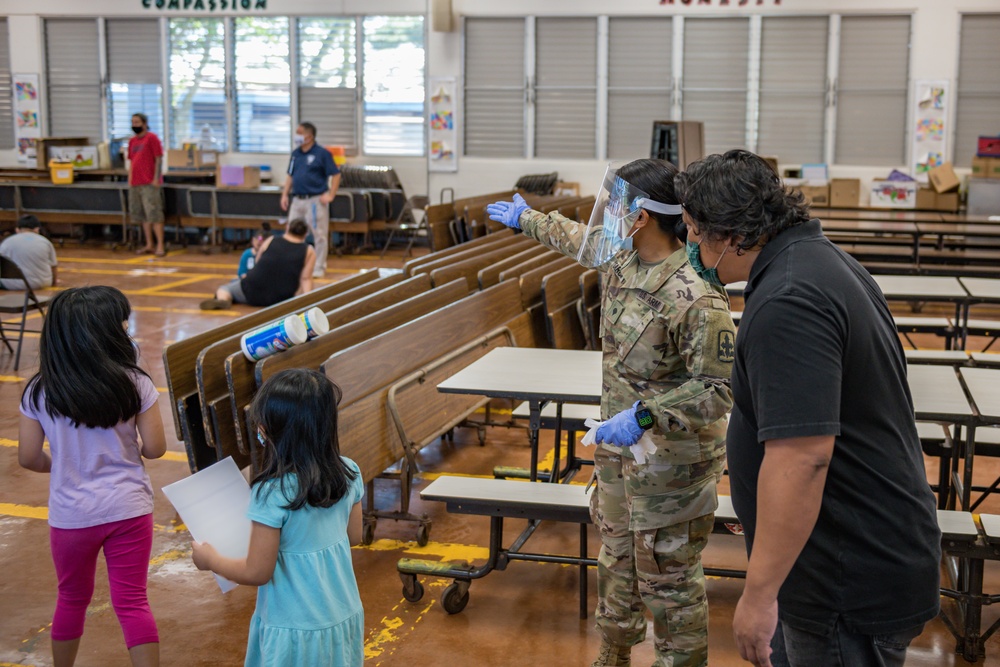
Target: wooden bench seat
{"x": 411, "y": 265}
{"x": 560, "y": 298}
{"x": 489, "y": 275}
{"x": 239, "y": 371}
{"x": 210, "y": 371}
{"x": 366, "y": 372}
{"x": 469, "y": 268}
{"x": 180, "y": 362}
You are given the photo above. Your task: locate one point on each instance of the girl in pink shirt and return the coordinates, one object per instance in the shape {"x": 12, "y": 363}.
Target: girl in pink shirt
{"x": 93, "y": 403}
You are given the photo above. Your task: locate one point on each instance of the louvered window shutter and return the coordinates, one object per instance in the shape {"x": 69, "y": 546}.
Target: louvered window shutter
{"x": 328, "y": 79}
{"x": 792, "y": 110}
{"x": 872, "y": 85}
{"x": 978, "y": 84}
{"x": 640, "y": 53}
{"x": 494, "y": 87}
{"x": 6, "y": 95}
{"x": 74, "y": 78}
{"x": 566, "y": 88}
{"x": 134, "y": 74}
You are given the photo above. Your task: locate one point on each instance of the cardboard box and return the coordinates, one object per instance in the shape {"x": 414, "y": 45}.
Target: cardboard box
{"x": 943, "y": 178}
{"x": 233, "y": 176}
{"x": 816, "y": 195}
{"x": 190, "y": 158}
{"x": 926, "y": 199}
{"x": 947, "y": 201}
{"x": 986, "y": 167}
{"x": 43, "y": 145}
{"x": 894, "y": 194}
{"x": 845, "y": 193}
{"x": 81, "y": 157}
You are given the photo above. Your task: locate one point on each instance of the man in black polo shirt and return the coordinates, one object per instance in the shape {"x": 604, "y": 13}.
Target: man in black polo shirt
{"x": 825, "y": 466}
{"x": 312, "y": 182}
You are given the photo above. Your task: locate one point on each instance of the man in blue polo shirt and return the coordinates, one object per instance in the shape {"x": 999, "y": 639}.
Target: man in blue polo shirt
{"x": 312, "y": 182}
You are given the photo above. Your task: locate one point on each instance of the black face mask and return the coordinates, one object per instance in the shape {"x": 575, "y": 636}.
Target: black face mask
{"x": 137, "y": 129}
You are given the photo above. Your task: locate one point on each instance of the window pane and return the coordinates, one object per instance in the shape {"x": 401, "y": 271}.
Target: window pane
{"x": 263, "y": 92}
{"x": 74, "y": 78}
{"x": 394, "y": 85}
{"x": 126, "y": 99}
{"x": 6, "y": 97}
{"x": 198, "y": 82}
{"x": 328, "y": 79}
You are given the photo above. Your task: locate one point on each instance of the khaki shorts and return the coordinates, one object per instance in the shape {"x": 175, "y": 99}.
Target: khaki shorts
{"x": 145, "y": 203}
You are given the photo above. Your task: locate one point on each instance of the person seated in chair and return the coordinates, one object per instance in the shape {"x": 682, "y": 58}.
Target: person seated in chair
{"x": 33, "y": 254}
{"x": 284, "y": 268}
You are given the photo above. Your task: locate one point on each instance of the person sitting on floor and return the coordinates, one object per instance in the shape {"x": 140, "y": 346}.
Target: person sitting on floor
{"x": 249, "y": 256}
{"x": 33, "y": 254}
{"x": 283, "y": 269}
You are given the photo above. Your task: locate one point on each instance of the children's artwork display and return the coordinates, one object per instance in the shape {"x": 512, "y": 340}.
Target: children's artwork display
{"x": 930, "y": 127}
{"x": 27, "y": 115}
{"x": 442, "y": 129}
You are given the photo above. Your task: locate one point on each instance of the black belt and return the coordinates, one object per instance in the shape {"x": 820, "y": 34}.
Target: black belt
{"x": 318, "y": 194}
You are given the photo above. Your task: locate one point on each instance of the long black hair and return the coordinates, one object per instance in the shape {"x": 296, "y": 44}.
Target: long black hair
{"x": 656, "y": 179}
{"x": 296, "y": 410}
{"x": 87, "y": 361}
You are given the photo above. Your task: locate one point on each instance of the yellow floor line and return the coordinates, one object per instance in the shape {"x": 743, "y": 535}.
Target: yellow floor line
{"x": 186, "y": 311}
{"x": 133, "y": 273}
{"x": 24, "y": 511}
{"x": 157, "y": 290}
{"x": 175, "y": 456}
{"x": 11, "y": 378}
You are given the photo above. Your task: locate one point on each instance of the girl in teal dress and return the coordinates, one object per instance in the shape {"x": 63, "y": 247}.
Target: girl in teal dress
{"x": 308, "y": 607}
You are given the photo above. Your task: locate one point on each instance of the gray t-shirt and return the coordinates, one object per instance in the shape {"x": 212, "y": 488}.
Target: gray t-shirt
{"x": 34, "y": 254}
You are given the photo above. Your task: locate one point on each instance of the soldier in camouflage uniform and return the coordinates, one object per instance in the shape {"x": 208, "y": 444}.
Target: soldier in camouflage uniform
{"x": 668, "y": 341}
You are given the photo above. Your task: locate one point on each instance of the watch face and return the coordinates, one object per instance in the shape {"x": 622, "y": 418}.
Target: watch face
{"x": 645, "y": 418}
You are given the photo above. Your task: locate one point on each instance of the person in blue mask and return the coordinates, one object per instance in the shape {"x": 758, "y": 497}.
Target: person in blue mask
{"x": 667, "y": 341}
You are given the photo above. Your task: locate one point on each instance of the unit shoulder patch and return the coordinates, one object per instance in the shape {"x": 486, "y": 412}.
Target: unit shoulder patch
{"x": 727, "y": 347}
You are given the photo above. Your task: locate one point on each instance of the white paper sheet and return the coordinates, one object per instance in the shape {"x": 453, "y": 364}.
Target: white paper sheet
{"x": 213, "y": 505}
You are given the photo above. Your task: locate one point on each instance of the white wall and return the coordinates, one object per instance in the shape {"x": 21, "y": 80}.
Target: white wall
{"x": 934, "y": 55}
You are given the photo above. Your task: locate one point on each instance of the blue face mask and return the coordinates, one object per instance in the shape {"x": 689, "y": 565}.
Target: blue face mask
{"x": 710, "y": 276}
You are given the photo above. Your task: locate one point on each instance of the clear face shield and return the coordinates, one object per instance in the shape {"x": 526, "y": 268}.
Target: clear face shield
{"x": 616, "y": 210}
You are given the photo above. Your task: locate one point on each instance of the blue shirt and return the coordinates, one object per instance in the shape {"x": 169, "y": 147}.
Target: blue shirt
{"x": 311, "y": 171}
{"x": 247, "y": 260}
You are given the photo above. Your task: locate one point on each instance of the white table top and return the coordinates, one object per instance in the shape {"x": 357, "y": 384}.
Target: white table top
{"x": 982, "y": 288}
{"x": 937, "y": 393}
{"x": 477, "y": 490}
{"x": 923, "y": 287}
{"x": 531, "y": 374}
{"x": 986, "y": 358}
{"x": 984, "y": 386}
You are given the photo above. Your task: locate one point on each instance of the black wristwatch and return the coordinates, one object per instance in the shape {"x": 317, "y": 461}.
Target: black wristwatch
{"x": 644, "y": 417}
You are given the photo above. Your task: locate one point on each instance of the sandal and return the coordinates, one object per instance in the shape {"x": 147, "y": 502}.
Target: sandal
{"x": 160, "y": 253}
{"x": 214, "y": 304}
{"x": 144, "y": 251}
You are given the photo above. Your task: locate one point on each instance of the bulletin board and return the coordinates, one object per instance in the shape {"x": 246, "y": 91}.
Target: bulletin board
{"x": 930, "y": 127}
{"x": 27, "y": 115}
{"x": 442, "y": 130}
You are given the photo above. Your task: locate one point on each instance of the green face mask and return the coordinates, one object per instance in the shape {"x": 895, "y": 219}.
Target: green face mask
{"x": 710, "y": 276}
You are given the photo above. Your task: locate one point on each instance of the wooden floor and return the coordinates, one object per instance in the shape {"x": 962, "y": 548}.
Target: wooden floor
{"x": 526, "y": 615}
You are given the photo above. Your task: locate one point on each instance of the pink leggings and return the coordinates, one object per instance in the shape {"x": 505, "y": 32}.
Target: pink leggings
{"x": 127, "y": 545}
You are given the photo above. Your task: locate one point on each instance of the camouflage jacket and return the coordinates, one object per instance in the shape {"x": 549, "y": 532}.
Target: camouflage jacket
{"x": 667, "y": 339}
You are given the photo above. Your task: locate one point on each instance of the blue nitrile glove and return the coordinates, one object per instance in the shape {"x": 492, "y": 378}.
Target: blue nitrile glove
{"x": 622, "y": 430}
{"x": 509, "y": 213}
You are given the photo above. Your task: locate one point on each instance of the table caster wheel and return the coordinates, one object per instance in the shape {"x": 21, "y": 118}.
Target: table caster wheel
{"x": 454, "y": 598}
{"x": 423, "y": 535}
{"x": 368, "y": 533}
{"x": 413, "y": 590}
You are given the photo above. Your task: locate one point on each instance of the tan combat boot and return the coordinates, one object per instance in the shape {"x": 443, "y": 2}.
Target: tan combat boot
{"x": 613, "y": 656}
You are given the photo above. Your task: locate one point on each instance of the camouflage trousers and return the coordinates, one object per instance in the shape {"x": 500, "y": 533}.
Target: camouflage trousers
{"x": 649, "y": 560}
